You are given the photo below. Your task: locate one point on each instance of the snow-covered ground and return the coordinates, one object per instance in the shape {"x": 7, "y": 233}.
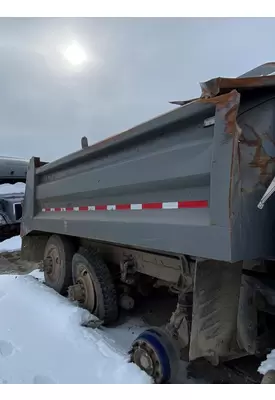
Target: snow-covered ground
{"x": 11, "y": 244}
{"x": 42, "y": 339}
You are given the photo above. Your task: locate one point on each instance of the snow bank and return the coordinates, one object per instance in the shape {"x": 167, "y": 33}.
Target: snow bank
{"x": 42, "y": 340}
{"x": 39, "y": 275}
{"x": 11, "y": 244}
{"x": 268, "y": 364}
{"x": 123, "y": 336}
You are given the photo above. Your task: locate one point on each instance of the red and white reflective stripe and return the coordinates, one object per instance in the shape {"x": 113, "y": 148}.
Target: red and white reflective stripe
{"x": 170, "y": 205}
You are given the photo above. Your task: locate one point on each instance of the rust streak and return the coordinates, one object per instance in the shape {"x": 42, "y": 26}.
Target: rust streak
{"x": 221, "y": 100}
{"x": 230, "y": 103}
{"x": 260, "y": 159}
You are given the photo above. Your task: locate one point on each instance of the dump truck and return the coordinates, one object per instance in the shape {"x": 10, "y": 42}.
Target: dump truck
{"x": 171, "y": 203}
{"x": 12, "y": 170}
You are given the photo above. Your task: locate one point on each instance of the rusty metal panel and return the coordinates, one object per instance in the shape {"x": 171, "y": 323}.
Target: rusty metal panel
{"x": 260, "y": 77}
{"x": 222, "y": 85}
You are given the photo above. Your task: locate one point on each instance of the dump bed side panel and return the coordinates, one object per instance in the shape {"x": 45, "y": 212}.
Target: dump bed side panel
{"x": 152, "y": 192}
{"x": 170, "y": 185}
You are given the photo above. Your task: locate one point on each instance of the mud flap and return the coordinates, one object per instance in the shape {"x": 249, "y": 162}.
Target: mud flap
{"x": 215, "y": 310}
{"x": 32, "y": 248}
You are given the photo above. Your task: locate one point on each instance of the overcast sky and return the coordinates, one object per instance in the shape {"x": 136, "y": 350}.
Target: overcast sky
{"x": 134, "y": 67}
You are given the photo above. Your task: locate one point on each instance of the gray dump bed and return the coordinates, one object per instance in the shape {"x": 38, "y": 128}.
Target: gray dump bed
{"x": 184, "y": 182}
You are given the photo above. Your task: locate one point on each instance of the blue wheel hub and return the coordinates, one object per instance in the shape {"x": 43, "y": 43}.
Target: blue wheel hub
{"x": 151, "y": 353}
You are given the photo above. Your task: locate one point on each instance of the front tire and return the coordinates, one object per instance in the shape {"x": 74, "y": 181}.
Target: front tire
{"x": 93, "y": 285}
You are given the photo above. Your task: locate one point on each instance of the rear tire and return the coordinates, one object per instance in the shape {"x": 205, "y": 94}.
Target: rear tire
{"x": 94, "y": 284}
{"x": 58, "y": 256}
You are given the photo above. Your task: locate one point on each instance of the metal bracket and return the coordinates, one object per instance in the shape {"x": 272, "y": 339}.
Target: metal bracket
{"x": 269, "y": 192}
{"x": 128, "y": 270}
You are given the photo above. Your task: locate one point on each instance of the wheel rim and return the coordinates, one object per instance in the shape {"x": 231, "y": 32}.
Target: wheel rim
{"x": 52, "y": 265}
{"x": 87, "y": 294}
{"x": 150, "y": 355}
{"x": 147, "y": 359}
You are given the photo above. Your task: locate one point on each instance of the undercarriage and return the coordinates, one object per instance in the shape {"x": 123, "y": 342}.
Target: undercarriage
{"x": 221, "y": 312}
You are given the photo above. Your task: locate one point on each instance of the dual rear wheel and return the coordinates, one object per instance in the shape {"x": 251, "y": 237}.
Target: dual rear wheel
{"x": 83, "y": 274}
{"x": 87, "y": 279}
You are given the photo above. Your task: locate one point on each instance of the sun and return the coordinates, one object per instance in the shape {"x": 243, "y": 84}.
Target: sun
{"x": 75, "y": 54}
